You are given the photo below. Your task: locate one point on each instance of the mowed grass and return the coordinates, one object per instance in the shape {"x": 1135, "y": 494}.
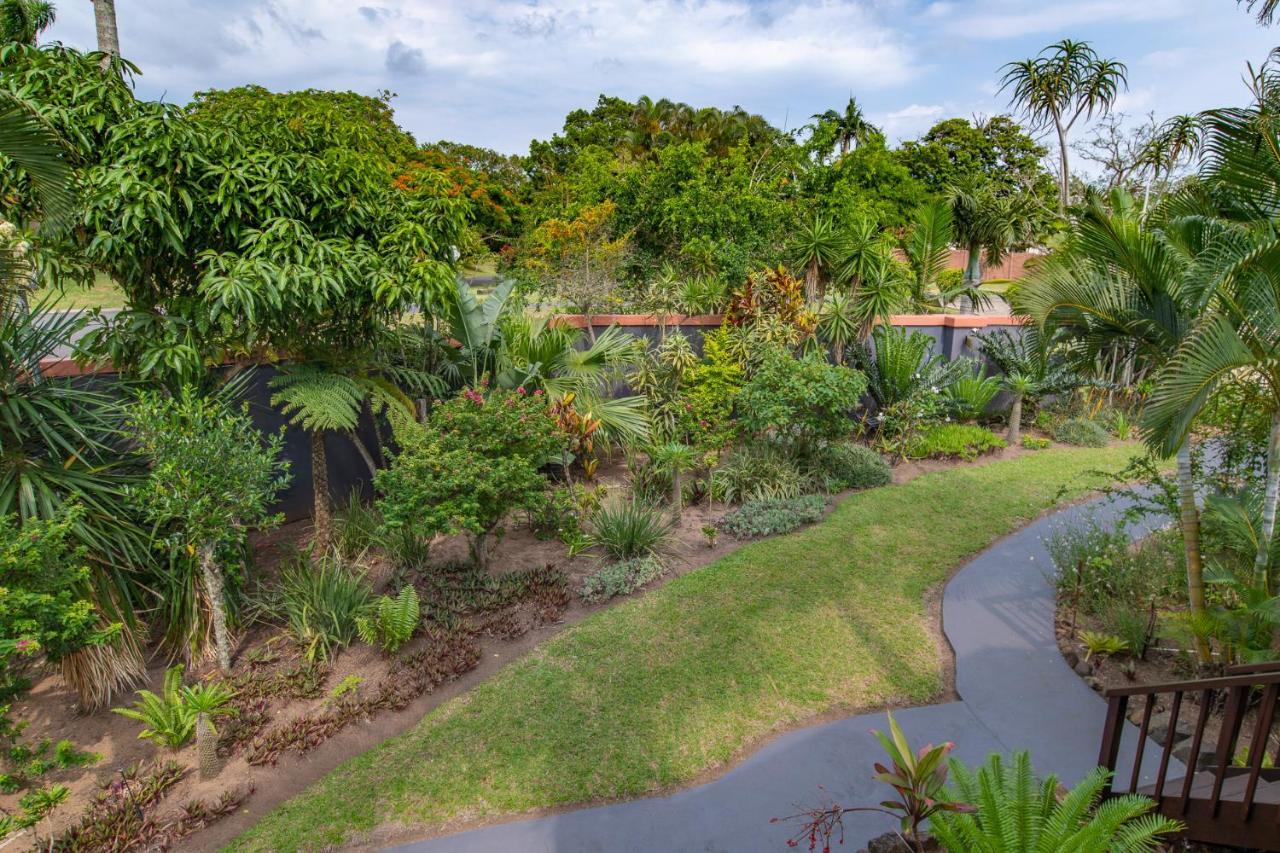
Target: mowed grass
{"x": 658, "y": 689}
{"x": 104, "y": 293}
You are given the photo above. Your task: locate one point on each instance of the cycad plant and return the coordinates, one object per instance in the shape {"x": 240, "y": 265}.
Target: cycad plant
{"x": 1012, "y": 811}
{"x": 169, "y": 718}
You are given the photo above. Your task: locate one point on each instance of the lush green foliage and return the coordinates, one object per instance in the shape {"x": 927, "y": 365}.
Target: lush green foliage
{"x": 852, "y": 466}
{"x": 800, "y": 402}
{"x": 1081, "y": 432}
{"x": 953, "y": 441}
{"x": 757, "y": 472}
{"x": 321, "y": 602}
{"x": 771, "y": 517}
{"x": 629, "y": 529}
{"x": 621, "y": 578}
{"x": 169, "y": 718}
{"x": 43, "y": 606}
{"x": 970, "y": 395}
{"x": 391, "y": 621}
{"x": 1012, "y": 810}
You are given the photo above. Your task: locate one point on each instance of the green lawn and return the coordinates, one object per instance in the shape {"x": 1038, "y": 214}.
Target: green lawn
{"x": 103, "y": 294}
{"x": 655, "y": 690}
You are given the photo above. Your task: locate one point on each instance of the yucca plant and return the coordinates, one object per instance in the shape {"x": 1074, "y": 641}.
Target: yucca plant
{"x": 1013, "y": 812}
{"x": 627, "y": 529}
{"x": 674, "y": 458}
{"x": 392, "y": 621}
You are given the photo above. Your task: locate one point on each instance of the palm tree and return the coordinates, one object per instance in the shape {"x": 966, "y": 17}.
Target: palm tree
{"x": 104, "y": 19}
{"x": 1177, "y": 138}
{"x": 1266, "y": 9}
{"x": 1065, "y": 82}
{"x": 818, "y": 249}
{"x": 23, "y": 20}
{"x": 851, "y": 127}
{"x": 1240, "y": 339}
{"x": 675, "y": 458}
{"x": 988, "y": 225}
{"x": 839, "y": 322}
{"x": 1121, "y": 283}
{"x": 927, "y": 248}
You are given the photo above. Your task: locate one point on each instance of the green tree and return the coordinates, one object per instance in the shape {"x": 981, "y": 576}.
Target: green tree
{"x": 988, "y": 225}
{"x": 23, "y": 20}
{"x": 850, "y": 127}
{"x": 211, "y": 479}
{"x": 1065, "y": 82}
{"x": 927, "y": 248}
{"x": 995, "y": 150}
{"x": 818, "y": 249}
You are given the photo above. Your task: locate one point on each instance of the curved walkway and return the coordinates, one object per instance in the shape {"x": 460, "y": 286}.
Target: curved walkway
{"x": 1017, "y": 693}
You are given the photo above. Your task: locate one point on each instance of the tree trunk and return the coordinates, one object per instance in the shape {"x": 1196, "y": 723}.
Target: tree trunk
{"x": 1015, "y": 421}
{"x": 104, "y": 18}
{"x": 217, "y": 605}
{"x": 207, "y": 747}
{"x": 1064, "y": 182}
{"x": 1189, "y": 521}
{"x": 973, "y": 276}
{"x": 837, "y": 349}
{"x": 1270, "y": 497}
{"x": 811, "y": 282}
{"x": 677, "y": 496}
{"x": 322, "y": 514}
{"x": 364, "y": 454}
{"x": 480, "y": 550}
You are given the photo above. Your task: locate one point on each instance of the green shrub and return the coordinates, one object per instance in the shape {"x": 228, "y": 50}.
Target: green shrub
{"x": 621, "y": 578}
{"x": 953, "y": 441}
{"x": 1033, "y": 442}
{"x": 629, "y": 529}
{"x": 799, "y": 403}
{"x": 852, "y": 466}
{"x": 321, "y": 602}
{"x": 1098, "y": 569}
{"x": 170, "y": 717}
{"x": 756, "y": 472}
{"x": 560, "y": 513}
{"x": 771, "y": 517}
{"x": 1081, "y": 432}
{"x": 969, "y": 395}
{"x": 391, "y": 621}
{"x": 356, "y": 527}
{"x": 1129, "y": 623}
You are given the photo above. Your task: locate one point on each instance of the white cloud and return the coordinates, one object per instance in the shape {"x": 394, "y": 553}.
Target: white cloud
{"x": 911, "y": 121}
{"x": 1004, "y": 19}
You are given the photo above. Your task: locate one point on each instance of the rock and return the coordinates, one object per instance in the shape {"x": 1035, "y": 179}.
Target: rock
{"x": 1072, "y": 658}
{"x": 1158, "y": 730}
{"x": 1083, "y": 668}
{"x": 1182, "y": 752}
{"x": 1095, "y": 683}
{"x": 890, "y": 842}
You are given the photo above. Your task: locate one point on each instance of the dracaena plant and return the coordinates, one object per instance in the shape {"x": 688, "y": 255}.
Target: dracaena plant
{"x": 918, "y": 777}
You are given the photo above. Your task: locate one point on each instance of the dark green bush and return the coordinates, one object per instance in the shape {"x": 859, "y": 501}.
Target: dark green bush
{"x": 953, "y": 441}
{"x": 621, "y": 578}
{"x": 852, "y": 466}
{"x": 771, "y": 517}
{"x": 799, "y": 402}
{"x": 1081, "y": 432}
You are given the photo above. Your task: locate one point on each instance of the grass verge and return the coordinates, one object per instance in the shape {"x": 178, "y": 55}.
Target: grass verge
{"x": 659, "y": 689}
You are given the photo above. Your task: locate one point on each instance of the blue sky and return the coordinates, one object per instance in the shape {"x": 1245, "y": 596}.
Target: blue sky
{"x": 499, "y": 72}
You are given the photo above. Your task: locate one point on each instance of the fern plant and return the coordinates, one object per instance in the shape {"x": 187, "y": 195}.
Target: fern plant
{"x": 1011, "y": 811}
{"x": 391, "y": 621}
{"x": 170, "y": 717}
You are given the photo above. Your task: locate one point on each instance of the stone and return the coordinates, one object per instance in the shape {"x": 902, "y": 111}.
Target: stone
{"x": 1072, "y": 658}
{"x": 1158, "y": 730}
{"x": 890, "y": 842}
{"x": 1083, "y": 668}
{"x": 1095, "y": 684}
{"x": 1182, "y": 752}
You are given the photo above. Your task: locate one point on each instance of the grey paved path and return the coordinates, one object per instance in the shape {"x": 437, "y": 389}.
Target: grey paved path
{"x": 1017, "y": 693}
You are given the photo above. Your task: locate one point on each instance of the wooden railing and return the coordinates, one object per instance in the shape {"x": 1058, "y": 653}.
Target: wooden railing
{"x": 1213, "y": 801}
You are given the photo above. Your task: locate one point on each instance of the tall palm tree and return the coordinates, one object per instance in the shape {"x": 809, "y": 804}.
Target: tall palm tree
{"x": 988, "y": 225}
{"x": 1065, "y": 82}
{"x": 23, "y": 20}
{"x": 1240, "y": 339}
{"x": 1121, "y": 283}
{"x": 1177, "y": 138}
{"x": 851, "y": 126}
{"x": 104, "y": 19}
{"x": 1266, "y": 9}
{"x": 818, "y": 249}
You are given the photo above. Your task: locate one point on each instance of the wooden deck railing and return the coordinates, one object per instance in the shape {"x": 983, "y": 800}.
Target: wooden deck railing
{"x": 1221, "y": 803}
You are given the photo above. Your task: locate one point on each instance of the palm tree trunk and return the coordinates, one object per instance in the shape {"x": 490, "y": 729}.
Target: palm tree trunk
{"x": 104, "y": 19}
{"x": 677, "y": 495}
{"x": 1271, "y": 496}
{"x": 1064, "y": 179}
{"x": 837, "y": 349}
{"x": 217, "y": 605}
{"x": 322, "y": 514}
{"x": 973, "y": 275}
{"x": 1189, "y": 521}
{"x": 811, "y": 282}
{"x": 1015, "y": 421}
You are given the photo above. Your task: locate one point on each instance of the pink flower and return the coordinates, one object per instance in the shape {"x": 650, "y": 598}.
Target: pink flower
{"x": 538, "y": 393}
{"x": 520, "y": 391}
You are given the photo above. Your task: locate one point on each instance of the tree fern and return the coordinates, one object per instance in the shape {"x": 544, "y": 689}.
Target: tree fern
{"x": 1011, "y": 811}
{"x": 392, "y": 621}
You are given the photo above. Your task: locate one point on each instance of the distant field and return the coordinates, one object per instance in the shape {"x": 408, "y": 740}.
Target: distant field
{"x": 103, "y": 294}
